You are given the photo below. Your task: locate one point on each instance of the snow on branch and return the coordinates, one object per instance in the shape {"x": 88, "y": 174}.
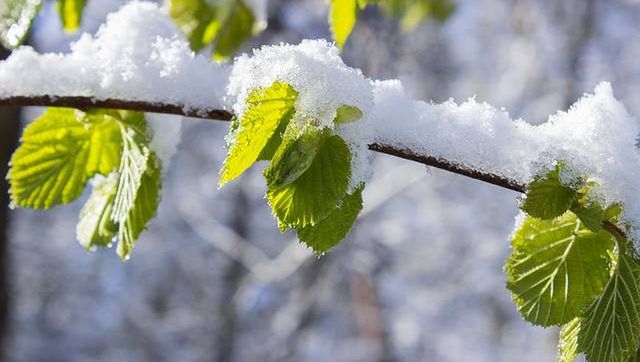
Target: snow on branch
{"x": 139, "y": 61}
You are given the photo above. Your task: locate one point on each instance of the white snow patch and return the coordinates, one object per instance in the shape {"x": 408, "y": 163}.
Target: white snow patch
{"x": 323, "y": 82}
{"x": 596, "y": 138}
{"x": 138, "y": 54}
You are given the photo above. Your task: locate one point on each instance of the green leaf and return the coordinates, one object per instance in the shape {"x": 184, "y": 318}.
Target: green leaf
{"x": 58, "y": 155}
{"x": 591, "y": 215}
{"x": 610, "y": 330}
{"x": 335, "y": 227}
{"x": 16, "y": 18}
{"x": 267, "y": 109}
{"x": 196, "y": 19}
{"x": 568, "y": 344}
{"x": 342, "y": 17}
{"x": 293, "y": 158}
{"x": 318, "y": 191}
{"x": 139, "y": 180}
{"x": 547, "y": 197}
{"x": 419, "y": 10}
{"x": 347, "y": 114}
{"x": 96, "y": 227}
{"x": 71, "y": 13}
{"x": 556, "y": 268}
{"x": 135, "y": 159}
{"x": 144, "y": 207}
{"x": 237, "y": 27}
{"x": 226, "y": 24}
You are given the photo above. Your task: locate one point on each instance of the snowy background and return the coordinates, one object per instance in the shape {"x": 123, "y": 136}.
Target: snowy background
{"x": 420, "y": 276}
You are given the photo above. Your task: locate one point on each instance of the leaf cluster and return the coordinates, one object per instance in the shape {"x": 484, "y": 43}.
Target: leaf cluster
{"x": 309, "y": 167}
{"x": 64, "y": 148}
{"x": 564, "y": 271}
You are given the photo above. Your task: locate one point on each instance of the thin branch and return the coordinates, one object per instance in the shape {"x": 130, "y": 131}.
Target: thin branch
{"x": 448, "y": 166}
{"x": 81, "y": 102}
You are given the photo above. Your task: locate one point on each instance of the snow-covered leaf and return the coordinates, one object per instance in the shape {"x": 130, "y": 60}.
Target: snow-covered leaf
{"x": 317, "y": 192}
{"x": 557, "y": 267}
{"x": 267, "y": 109}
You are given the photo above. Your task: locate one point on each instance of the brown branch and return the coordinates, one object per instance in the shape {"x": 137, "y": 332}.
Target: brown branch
{"x": 443, "y": 164}
{"x": 81, "y": 102}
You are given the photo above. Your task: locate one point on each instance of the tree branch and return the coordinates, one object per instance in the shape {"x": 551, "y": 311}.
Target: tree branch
{"x": 83, "y": 102}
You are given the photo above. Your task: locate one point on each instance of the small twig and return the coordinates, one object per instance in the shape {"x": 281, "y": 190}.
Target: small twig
{"x": 82, "y": 102}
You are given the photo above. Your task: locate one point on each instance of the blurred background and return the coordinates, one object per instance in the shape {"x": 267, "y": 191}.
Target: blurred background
{"x": 418, "y": 279}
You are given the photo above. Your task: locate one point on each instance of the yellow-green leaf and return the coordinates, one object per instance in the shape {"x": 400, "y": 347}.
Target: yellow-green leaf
{"x": 71, "y": 13}
{"x": 58, "y": 154}
{"x": 343, "y": 17}
{"x": 267, "y": 109}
